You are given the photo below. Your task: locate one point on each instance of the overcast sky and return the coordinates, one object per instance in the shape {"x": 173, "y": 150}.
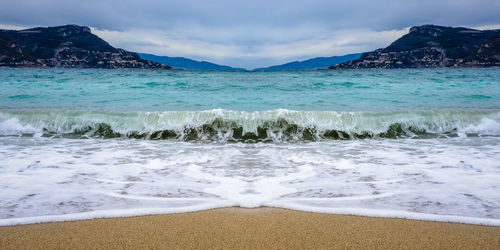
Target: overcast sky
{"x": 253, "y": 33}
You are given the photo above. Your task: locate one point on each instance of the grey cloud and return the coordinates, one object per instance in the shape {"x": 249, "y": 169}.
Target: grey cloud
{"x": 378, "y": 15}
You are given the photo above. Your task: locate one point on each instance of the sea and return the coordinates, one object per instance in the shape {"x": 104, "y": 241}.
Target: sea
{"x": 404, "y": 143}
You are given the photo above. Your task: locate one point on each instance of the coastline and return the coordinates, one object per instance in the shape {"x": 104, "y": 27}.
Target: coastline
{"x": 260, "y": 228}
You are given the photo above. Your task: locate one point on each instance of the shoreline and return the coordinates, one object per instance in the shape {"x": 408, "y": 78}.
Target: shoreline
{"x": 258, "y": 228}
{"x": 128, "y": 213}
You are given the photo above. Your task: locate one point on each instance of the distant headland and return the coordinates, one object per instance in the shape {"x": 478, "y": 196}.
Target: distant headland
{"x": 68, "y": 46}
{"x": 186, "y": 63}
{"x": 431, "y": 46}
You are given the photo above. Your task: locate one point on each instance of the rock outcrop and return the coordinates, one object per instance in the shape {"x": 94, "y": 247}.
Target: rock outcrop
{"x": 69, "y": 46}
{"x": 431, "y": 46}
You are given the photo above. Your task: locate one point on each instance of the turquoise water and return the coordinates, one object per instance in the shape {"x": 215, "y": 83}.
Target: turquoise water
{"x": 355, "y": 90}
{"x": 418, "y": 143}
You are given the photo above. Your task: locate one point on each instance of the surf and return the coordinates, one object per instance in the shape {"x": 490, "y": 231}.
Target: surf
{"x": 279, "y": 125}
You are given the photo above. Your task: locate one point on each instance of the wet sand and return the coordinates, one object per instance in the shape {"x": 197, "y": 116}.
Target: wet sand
{"x": 239, "y": 228}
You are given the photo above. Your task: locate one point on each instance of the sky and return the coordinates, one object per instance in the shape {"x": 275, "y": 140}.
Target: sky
{"x": 249, "y": 34}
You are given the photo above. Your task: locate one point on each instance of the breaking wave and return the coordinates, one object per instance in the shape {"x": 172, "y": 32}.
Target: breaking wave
{"x": 280, "y": 125}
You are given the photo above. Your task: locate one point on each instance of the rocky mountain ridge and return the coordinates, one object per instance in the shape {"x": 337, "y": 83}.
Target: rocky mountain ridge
{"x": 68, "y": 46}
{"x": 431, "y": 46}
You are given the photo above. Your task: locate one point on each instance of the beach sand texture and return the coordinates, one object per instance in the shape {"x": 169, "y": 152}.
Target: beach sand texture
{"x": 240, "y": 228}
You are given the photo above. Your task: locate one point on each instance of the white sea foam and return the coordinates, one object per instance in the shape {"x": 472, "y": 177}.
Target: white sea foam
{"x": 12, "y": 126}
{"x": 441, "y": 179}
{"x": 486, "y": 126}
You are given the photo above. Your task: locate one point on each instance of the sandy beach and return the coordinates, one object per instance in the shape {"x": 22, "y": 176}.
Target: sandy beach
{"x": 239, "y": 228}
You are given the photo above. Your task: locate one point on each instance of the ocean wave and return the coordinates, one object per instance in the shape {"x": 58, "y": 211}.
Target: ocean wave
{"x": 280, "y": 125}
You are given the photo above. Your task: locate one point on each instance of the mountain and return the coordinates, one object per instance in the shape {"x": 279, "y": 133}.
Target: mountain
{"x": 186, "y": 63}
{"x": 313, "y": 63}
{"x": 431, "y": 46}
{"x": 68, "y": 46}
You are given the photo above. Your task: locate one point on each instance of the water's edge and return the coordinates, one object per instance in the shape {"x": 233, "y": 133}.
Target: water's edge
{"x": 124, "y": 213}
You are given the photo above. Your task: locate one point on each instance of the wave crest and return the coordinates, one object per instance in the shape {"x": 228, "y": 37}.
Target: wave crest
{"x": 279, "y": 125}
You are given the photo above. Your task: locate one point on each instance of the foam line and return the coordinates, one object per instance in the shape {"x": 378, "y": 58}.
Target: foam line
{"x": 111, "y": 213}
{"x": 386, "y": 213}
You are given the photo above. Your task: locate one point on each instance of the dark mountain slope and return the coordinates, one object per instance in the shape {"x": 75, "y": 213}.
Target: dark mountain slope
{"x": 431, "y": 46}
{"x": 69, "y": 46}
